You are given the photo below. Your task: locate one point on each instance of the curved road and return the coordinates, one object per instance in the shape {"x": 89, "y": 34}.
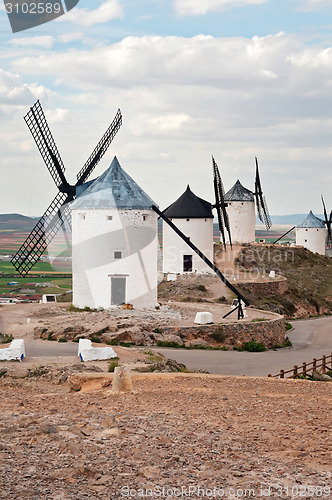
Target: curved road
{"x": 311, "y": 339}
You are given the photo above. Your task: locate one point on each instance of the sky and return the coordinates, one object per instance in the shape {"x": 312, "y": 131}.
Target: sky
{"x": 230, "y": 78}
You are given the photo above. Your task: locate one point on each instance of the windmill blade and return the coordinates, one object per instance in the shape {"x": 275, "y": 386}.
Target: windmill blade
{"x": 42, "y": 234}
{"x": 201, "y": 255}
{"x": 38, "y": 126}
{"x": 219, "y": 192}
{"x": 100, "y": 149}
{"x": 262, "y": 210}
{"x": 328, "y": 223}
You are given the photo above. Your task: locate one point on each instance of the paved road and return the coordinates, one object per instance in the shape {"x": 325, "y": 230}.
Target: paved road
{"x": 311, "y": 339}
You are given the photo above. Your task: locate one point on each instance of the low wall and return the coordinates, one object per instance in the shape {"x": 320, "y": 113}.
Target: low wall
{"x": 15, "y": 351}
{"x": 278, "y": 287}
{"x": 89, "y": 353}
{"x": 228, "y": 335}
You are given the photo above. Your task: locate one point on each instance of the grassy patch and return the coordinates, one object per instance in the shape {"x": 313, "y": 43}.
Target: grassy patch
{"x": 37, "y": 371}
{"x": 288, "y": 327}
{"x": 286, "y": 343}
{"x": 112, "y": 365}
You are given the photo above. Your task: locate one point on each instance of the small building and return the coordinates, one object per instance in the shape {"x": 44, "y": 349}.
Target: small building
{"x": 193, "y": 216}
{"x": 241, "y": 213}
{"x": 115, "y": 243}
{"x": 311, "y": 234}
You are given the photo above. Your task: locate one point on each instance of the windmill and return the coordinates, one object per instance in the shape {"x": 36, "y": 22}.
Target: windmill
{"x": 262, "y": 210}
{"x": 58, "y": 211}
{"x": 328, "y": 222}
{"x": 220, "y": 205}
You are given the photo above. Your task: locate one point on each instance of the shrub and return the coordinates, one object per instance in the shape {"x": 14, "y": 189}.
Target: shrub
{"x": 61, "y": 339}
{"x": 163, "y": 343}
{"x": 251, "y": 346}
{"x": 219, "y": 335}
{"x": 201, "y": 288}
{"x": 6, "y": 338}
{"x": 288, "y": 326}
{"x": 113, "y": 364}
{"x": 50, "y": 336}
{"x": 37, "y": 371}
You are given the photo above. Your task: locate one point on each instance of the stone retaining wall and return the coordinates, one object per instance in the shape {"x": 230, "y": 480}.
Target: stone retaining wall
{"x": 278, "y": 287}
{"x": 228, "y": 335}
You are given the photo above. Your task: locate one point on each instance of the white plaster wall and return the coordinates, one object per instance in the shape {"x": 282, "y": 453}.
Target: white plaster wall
{"x": 311, "y": 238}
{"x": 89, "y": 353}
{"x": 15, "y": 351}
{"x": 200, "y": 232}
{"x": 241, "y": 216}
{"x": 95, "y": 238}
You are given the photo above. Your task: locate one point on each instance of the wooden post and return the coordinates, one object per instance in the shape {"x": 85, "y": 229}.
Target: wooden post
{"x": 323, "y": 364}
{"x": 282, "y": 373}
{"x": 304, "y": 368}
{"x": 295, "y": 371}
{"x": 314, "y": 365}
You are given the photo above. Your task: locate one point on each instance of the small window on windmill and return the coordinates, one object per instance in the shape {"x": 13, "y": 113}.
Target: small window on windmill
{"x": 145, "y": 216}
{"x": 118, "y": 255}
{"x": 305, "y": 241}
{"x": 188, "y": 220}
{"x": 306, "y": 229}
{"x": 109, "y": 217}
{"x": 82, "y": 216}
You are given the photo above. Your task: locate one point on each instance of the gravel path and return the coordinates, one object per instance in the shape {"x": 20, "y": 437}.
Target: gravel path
{"x": 245, "y": 437}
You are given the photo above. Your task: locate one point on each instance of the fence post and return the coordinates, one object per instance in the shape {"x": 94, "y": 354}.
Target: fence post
{"x": 282, "y": 373}
{"x": 295, "y": 371}
{"x": 323, "y": 364}
{"x": 304, "y": 368}
{"x": 314, "y": 365}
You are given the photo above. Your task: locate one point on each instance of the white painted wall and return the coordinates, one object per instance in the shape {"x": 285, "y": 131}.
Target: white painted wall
{"x": 200, "y": 232}
{"x": 312, "y": 238}
{"x": 95, "y": 238}
{"x": 89, "y": 353}
{"x": 15, "y": 351}
{"x": 241, "y": 216}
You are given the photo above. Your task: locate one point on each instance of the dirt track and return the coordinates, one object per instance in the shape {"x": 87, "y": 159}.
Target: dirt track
{"x": 174, "y": 431}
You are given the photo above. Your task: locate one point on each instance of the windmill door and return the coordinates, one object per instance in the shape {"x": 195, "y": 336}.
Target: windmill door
{"x": 118, "y": 290}
{"x": 187, "y": 263}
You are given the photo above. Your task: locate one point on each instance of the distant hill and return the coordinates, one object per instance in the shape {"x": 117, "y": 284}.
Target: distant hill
{"x": 17, "y": 222}
{"x": 291, "y": 220}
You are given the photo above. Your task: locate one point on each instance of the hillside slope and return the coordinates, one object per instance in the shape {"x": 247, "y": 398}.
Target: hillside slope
{"x": 309, "y": 278}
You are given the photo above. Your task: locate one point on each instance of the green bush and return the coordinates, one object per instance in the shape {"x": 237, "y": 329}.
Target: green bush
{"x": 251, "y": 346}
{"x": 288, "y": 326}
{"x": 162, "y": 343}
{"x": 5, "y": 338}
{"x": 61, "y": 339}
{"x": 50, "y": 336}
{"x": 219, "y": 335}
{"x": 113, "y": 364}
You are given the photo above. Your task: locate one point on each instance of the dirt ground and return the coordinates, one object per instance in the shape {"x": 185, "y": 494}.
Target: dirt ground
{"x": 175, "y": 436}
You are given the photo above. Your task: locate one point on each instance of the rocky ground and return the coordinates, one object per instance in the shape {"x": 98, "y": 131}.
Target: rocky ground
{"x": 245, "y": 437}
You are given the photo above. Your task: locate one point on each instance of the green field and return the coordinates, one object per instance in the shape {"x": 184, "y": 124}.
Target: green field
{"x": 42, "y": 272}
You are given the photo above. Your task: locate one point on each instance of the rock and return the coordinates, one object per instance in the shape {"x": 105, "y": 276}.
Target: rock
{"x": 321, "y": 376}
{"x": 122, "y": 380}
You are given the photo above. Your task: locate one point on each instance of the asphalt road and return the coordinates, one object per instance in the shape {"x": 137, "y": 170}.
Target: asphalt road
{"x": 311, "y": 339}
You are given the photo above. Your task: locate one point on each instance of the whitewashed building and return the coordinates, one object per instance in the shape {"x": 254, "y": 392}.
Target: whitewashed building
{"x": 241, "y": 213}
{"x": 193, "y": 216}
{"x": 115, "y": 242}
{"x": 311, "y": 234}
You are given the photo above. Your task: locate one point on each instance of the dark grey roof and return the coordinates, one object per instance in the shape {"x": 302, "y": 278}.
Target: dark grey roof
{"x": 114, "y": 189}
{"x": 189, "y": 206}
{"x": 239, "y": 193}
{"x": 311, "y": 221}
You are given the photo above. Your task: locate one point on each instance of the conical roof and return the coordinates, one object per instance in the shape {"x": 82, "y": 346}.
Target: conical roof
{"x": 114, "y": 189}
{"x": 189, "y": 206}
{"x": 311, "y": 221}
{"x": 239, "y": 193}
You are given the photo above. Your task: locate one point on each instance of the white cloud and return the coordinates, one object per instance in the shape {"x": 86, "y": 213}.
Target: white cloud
{"x": 45, "y": 42}
{"x": 108, "y": 10}
{"x": 200, "y": 7}
{"x": 70, "y": 37}
{"x": 311, "y": 5}
{"x": 12, "y": 90}
{"x": 184, "y": 99}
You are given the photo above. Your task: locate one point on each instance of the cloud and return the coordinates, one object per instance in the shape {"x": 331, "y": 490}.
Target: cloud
{"x": 311, "y": 5}
{"x": 12, "y": 90}
{"x": 108, "y": 10}
{"x": 70, "y": 37}
{"x": 45, "y": 42}
{"x": 184, "y": 99}
{"x": 199, "y": 7}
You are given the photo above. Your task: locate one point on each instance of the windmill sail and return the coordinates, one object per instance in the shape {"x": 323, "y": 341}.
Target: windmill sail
{"x": 219, "y": 192}
{"x": 58, "y": 211}
{"x": 328, "y": 223}
{"x": 262, "y": 210}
